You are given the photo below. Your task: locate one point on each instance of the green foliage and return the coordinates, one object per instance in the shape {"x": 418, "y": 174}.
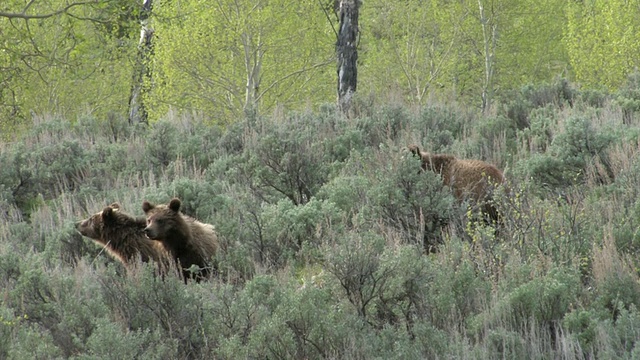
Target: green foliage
{"x": 383, "y": 125}
{"x": 355, "y": 263}
{"x": 438, "y": 127}
{"x": 617, "y": 285}
{"x": 546, "y": 299}
{"x": 289, "y": 227}
{"x": 322, "y": 222}
{"x": 569, "y": 153}
{"x": 628, "y": 97}
{"x": 162, "y": 143}
{"x": 410, "y": 201}
{"x": 522, "y": 106}
{"x": 601, "y": 40}
{"x": 494, "y": 137}
{"x": 418, "y": 51}
{"x": 583, "y": 325}
{"x": 233, "y": 57}
{"x": 68, "y": 63}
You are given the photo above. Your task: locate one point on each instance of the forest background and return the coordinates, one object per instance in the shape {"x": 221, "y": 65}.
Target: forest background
{"x": 322, "y": 217}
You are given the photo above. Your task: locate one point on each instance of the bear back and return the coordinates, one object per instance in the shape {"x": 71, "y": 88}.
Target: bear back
{"x": 468, "y": 179}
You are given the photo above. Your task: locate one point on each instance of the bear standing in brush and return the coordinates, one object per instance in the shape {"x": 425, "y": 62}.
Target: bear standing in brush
{"x": 121, "y": 236}
{"x": 189, "y": 241}
{"x": 468, "y": 179}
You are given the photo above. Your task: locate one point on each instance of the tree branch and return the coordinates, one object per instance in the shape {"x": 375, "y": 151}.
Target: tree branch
{"x": 24, "y": 15}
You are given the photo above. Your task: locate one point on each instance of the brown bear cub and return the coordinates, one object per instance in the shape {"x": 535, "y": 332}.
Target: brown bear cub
{"x": 189, "y": 241}
{"x": 468, "y": 179}
{"x": 123, "y": 237}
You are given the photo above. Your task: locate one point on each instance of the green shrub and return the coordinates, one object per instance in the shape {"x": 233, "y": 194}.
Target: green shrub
{"x": 543, "y": 300}
{"x": 559, "y": 93}
{"x": 458, "y": 289}
{"x": 161, "y": 144}
{"x": 113, "y": 129}
{"x": 110, "y": 340}
{"x": 491, "y": 138}
{"x": 347, "y": 192}
{"x": 505, "y": 344}
{"x": 288, "y": 227}
{"x": 16, "y": 178}
{"x": 355, "y": 264}
{"x": 197, "y": 143}
{"x": 517, "y": 110}
{"x": 31, "y": 342}
{"x": 438, "y": 127}
{"x": 402, "y": 299}
{"x": 595, "y": 98}
{"x": 519, "y": 106}
{"x": 286, "y": 163}
{"x": 628, "y": 97}
{"x": 385, "y": 124}
{"x": 583, "y": 325}
{"x": 539, "y": 134}
{"x": 413, "y": 202}
{"x": 571, "y": 151}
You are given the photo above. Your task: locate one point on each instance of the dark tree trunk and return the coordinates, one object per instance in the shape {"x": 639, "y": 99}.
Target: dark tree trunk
{"x": 137, "y": 111}
{"x": 347, "y": 53}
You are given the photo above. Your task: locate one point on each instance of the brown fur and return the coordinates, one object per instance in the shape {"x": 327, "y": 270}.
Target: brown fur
{"x": 122, "y": 236}
{"x": 468, "y": 179}
{"x": 188, "y": 240}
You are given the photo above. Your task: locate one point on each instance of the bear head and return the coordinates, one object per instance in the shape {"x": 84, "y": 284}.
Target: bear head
{"x": 433, "y": 162}
{"x": 94, "y": 226}
{"x": 164, "y": 221}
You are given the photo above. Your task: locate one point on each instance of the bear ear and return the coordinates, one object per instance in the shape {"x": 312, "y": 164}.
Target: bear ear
{"x": 115, "y": 206}
{"x": 147, "y": 206}
{"x": 108, "y": 213}
{"x": 174, "y": 204}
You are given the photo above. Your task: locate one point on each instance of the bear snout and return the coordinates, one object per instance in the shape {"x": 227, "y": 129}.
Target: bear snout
{"x": 150, "y": 233}
{"x": 82, "y": 225}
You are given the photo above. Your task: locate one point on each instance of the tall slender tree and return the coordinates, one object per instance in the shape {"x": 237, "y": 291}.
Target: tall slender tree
{"x": 489, "y": 35}
{"x": 347, "y": 53}
{"x": 137, "y": 111}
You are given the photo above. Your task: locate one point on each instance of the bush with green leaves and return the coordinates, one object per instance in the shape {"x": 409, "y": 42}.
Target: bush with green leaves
{"x": 628, "y": 97}
{"x": 383, "y": 125}
{"x": 413, "y": 202}
{"x": 161, "y": 146}
{"x": 491, "y": 138}
{"x": 322, "y": 221}
{"x": 438, "y": 126}
{"x": 288, "y": 228}
{"x": 537, "y": 137}
{"x": 576, "y": 146}
{"x": 518, "y": 106}
{"x": 284, "y": 160}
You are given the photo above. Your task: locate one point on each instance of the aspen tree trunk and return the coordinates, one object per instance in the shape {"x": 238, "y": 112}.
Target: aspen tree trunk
{"x": 489, "y": 39}
{"x": 137, "y": 111}
{"x": 253, "y": 54}
{"x": 347, "y": 53}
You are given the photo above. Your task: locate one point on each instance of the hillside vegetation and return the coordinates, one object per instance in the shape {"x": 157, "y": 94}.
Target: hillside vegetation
{"x": 221, "y": 59}
{"x": 322, "y": 222}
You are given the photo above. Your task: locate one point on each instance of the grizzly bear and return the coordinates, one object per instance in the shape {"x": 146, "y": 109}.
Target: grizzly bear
{"x": 473, "y": 180}
{"x": 123, "y": 237}
{"x": 189, "y": 241}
